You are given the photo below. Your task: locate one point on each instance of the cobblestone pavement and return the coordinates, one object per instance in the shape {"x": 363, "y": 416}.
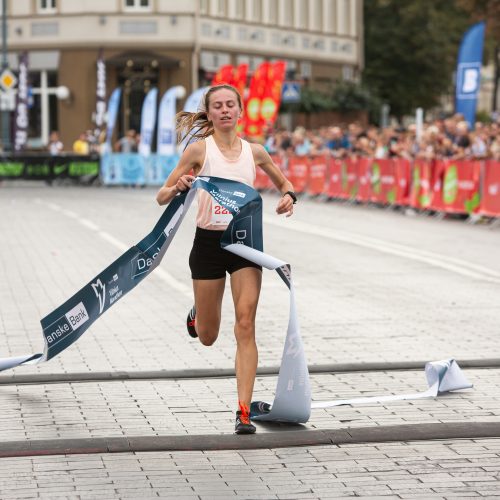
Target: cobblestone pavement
{"x": 356, "y": 303}
{"x": 187, "y": 407}
{"x": 419, "y": 469}
{"x": 372, "y": 285}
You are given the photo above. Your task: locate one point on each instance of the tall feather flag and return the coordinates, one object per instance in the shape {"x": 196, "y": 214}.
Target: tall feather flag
{"x": 272, "y": 93}
{"x": 254, "y": 122}
{"x": 223, "y": 75}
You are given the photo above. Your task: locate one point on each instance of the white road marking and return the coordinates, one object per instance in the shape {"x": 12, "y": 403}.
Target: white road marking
{"x": 158, "y": 272}
{"x": 451, "y": 264}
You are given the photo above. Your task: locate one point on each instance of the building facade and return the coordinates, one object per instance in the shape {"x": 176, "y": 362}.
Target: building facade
{"x": 162, "y": 43}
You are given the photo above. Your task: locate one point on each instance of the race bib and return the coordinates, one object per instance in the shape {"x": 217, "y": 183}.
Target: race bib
{"x": 221, "y": 216}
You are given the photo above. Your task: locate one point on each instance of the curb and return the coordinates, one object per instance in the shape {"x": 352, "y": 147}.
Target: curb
{"x": 265, "y": 440}
{"x": 56, "y": 378}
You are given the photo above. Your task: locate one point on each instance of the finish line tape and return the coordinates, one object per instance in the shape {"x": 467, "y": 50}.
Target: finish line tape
{"x": 292, "y": 401}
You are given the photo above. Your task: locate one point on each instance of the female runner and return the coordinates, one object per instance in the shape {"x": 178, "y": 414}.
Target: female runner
{"x": 221, "y": 153}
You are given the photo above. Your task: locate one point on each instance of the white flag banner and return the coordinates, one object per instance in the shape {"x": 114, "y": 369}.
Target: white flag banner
{"x": 167, "y": 136}
{"x": 193, "y": 104}
{"x": 148, "y": 122}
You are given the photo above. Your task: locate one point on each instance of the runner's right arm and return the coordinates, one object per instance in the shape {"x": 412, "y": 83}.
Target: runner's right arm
{"x": 180, "y": 178}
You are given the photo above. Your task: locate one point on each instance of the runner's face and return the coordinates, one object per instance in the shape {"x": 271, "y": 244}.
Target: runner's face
{"x": 223, "y": 109}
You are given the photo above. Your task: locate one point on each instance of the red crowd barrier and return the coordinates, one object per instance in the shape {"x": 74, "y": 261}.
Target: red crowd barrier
{"x": 318, "y": 171}
{"x": 490, "y": 201}
{"x": 456, "y": 186}
{"x": 442, "y": 185}
{"x": 298, "y": 172}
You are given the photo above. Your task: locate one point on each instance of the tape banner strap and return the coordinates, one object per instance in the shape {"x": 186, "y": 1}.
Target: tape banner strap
{"x": 243, "y": 237}
{"x": 65, "y": 325}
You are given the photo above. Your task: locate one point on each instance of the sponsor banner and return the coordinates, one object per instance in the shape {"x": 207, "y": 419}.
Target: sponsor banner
{"x": 123, "y": 169}
{"x": 21, "y": 119}
{"x": 113, "y": 107}
{"x": 468, "y": 73}
{"x": 456, "y": 186}
{"x": 148, "y": 122}
{"x": 363, "y": 187}
{"x": 318, "y": 173}
{"x": 403, "y": 176}
{"x": 100, "y": 95}
{"x": 132, "y": 169}
{"x": 383, "y": 181}
{"x": 167, "y": 135}
{"x": 349, "y": 175}
{"x": 421, "y": 193}
{"x": 47, "y": 167}
{"x": 158, "y": 168}
{"x": 298, "y": 170}
{"x": 335, "y": 178}
{"x": 490, "y": 200}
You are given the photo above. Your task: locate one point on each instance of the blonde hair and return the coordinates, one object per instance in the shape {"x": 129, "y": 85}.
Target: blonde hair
{"x": 197, "y": 125}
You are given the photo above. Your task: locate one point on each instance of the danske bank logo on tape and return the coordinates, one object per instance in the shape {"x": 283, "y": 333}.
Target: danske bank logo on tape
{"x": 70, "y": 322}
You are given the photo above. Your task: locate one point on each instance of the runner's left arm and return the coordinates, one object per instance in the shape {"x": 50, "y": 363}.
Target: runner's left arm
{"x": 264, "y": 161}
{"x": 180, "y": 179}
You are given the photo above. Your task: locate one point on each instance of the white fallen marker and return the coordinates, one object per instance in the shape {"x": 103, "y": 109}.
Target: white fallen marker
{"x": 442, "y": 376}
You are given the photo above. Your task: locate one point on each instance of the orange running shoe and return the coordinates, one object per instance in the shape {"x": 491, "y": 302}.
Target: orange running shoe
{"x": 243, "y": 424}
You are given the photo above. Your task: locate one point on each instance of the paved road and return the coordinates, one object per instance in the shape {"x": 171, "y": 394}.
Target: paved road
{"x": 372, "y": 286}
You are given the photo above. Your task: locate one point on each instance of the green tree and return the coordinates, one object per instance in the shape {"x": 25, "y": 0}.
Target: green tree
{"x": 410, "y": 50}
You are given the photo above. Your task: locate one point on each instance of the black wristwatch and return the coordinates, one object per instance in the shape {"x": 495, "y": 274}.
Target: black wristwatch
{"x": 292, "y": 195}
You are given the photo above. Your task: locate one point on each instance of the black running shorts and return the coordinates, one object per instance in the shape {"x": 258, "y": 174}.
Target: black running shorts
{"x": 208, "y": 261}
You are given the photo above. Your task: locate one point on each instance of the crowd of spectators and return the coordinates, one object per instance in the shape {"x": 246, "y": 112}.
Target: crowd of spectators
{"x": 447, "y": 138}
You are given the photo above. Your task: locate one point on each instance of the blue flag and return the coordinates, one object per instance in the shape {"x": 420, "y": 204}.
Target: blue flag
{"x": 113, "y": 106}
{"x": 470, "y": 56}
{"x": 148, "y": 121}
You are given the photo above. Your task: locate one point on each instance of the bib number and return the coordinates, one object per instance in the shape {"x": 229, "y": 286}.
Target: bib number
{"x": 221, "y": 216}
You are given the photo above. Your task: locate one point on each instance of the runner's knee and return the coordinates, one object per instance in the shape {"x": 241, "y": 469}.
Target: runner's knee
{"x": 245, "y": 329}
{"x": 207, "y": 336}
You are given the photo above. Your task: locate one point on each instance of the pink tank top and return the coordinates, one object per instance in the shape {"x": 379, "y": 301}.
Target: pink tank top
{"x": 211, "y": 215}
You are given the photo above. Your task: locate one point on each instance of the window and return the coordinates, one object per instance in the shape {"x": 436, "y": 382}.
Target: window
{"x": 137, "y": 5}
{"x": 47, "y": 6}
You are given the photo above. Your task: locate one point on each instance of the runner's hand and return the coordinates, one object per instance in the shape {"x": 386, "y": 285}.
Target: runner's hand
{"x": 184, "y": 183}
{"x": 285, "y": 206}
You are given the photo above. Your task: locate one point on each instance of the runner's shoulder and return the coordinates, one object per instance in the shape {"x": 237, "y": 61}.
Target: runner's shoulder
{"x": 195, "y": 152}
{"x": 259, "y": 153}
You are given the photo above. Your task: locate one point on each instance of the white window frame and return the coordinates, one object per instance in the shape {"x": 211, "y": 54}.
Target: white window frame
{"x": 137, "y": 7}
{"x": 51, "y": 7}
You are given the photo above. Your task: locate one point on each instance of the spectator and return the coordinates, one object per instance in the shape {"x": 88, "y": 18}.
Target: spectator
{"x": 81, "y": 145}
{"x": 301, "y": 144}
{"x": 55, "y": 146}
{"x": 128, "y": 143}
